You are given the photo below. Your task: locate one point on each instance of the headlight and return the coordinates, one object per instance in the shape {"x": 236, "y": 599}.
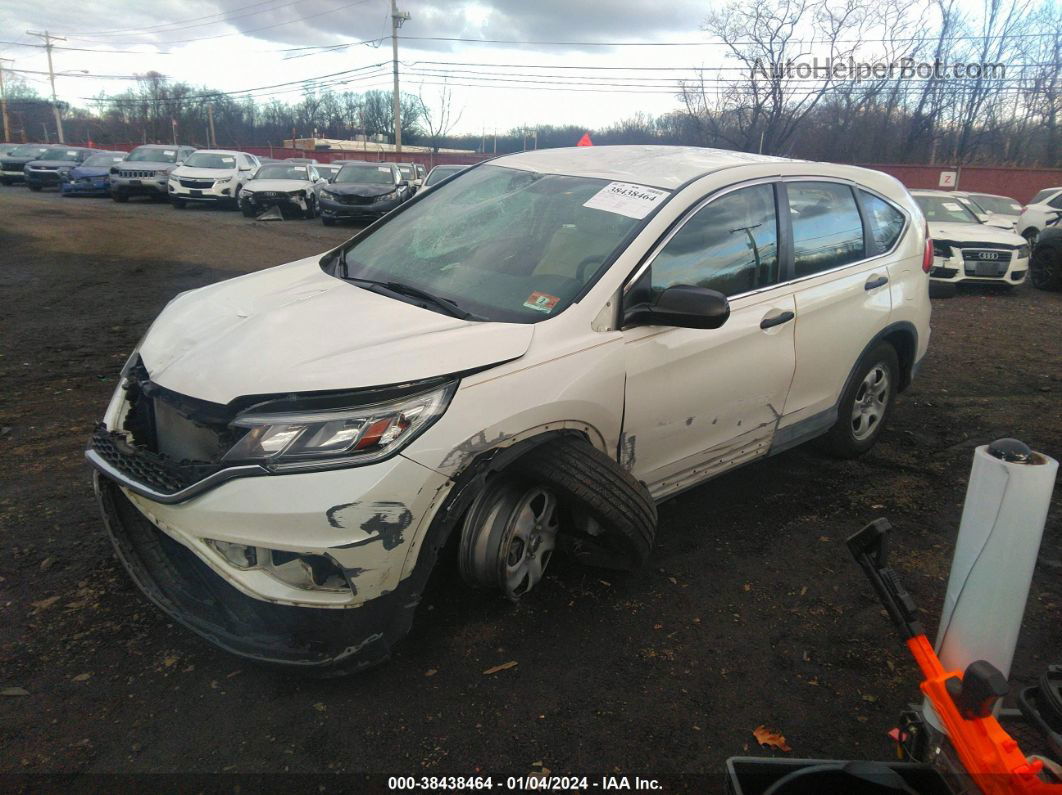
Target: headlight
{"x": 327, "y": 194}
{"x": 1023, "y": 252}
{"x": 222, "y": 180}
{"x": 941, "y": 250}
{"x": 114, "y": 169}
{"x": 324, "y": 438}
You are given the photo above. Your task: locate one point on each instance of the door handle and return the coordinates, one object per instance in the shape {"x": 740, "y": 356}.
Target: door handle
{"x": 876, "y": 282}
{"x": 776, "y": 320}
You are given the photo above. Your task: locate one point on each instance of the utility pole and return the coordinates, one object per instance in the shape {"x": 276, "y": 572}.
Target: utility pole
{"x": 210, "y": 119}
{"x": 3, "y": 100}
{"x": 396, "y": 22}
{"x": 48, "y": 38}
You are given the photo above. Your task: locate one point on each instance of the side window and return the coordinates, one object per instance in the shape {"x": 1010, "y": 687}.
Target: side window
{"x": 827, "y": 229}
{"x": 1056, "y": 202}
{"x": 886, "y": 223}
{"x": 730, "y": 245}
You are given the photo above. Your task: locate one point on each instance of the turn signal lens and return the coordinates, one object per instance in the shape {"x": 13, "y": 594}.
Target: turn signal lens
{"x": 927, "y": 255}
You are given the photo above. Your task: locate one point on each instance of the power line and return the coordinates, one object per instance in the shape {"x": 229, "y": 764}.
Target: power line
{"x": 990, "y": 37}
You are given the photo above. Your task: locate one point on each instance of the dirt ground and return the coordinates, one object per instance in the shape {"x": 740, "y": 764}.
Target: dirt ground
{"x": 750, "y": 611}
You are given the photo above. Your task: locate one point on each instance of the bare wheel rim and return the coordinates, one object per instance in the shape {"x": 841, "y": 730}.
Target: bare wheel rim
{"x": 512, "y": 539}
{"x": 871, "y": 400}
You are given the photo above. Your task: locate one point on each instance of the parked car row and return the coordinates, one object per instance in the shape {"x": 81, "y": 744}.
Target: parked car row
{"x": 344, "y": 190}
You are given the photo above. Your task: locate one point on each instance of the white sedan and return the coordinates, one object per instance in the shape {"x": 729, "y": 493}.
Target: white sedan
{"x": 966, "y": 250}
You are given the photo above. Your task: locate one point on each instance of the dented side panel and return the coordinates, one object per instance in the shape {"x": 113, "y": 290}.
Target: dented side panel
{"x": 699, "y": 402}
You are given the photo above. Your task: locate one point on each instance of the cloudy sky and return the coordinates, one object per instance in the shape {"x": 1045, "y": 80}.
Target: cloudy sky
{"x": 233, "y": 45}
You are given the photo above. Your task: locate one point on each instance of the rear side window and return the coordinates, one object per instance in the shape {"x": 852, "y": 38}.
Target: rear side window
{"x": 1042, "y": 196}
{"x": 885, "y": 221}
{"x": 730, "y": 245}
{"x": 1056, "y": 202}
{"x": 827, "y": 229}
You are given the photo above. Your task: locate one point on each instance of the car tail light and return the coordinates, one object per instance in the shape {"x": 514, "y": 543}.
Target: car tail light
{"x": 927, "y": 255}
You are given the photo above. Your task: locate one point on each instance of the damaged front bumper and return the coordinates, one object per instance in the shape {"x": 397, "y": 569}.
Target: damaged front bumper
{"x": 306, "y": 569}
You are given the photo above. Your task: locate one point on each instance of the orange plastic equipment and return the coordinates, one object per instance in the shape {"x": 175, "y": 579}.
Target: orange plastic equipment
{"x": 987, "y": 752}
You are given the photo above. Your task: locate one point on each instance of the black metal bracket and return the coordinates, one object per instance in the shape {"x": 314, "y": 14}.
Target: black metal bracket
{"x": 870, "y": 548}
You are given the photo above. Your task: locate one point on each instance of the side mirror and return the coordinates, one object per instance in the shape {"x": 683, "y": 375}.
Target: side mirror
{"x": 682, "y": 306}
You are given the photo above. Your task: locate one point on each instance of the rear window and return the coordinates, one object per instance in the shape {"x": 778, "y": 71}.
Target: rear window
{"x": 885, "y": 221}
{"x": 827, "y": 229}
{"x": 1043, "y": 195}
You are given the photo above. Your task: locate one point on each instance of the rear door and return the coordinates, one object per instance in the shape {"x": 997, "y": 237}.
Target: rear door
{"x": 842, "y": 294}
{"x": 701, "y": 401}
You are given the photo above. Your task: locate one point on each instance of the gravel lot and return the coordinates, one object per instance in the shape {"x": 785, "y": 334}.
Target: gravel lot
{"x": 749, "y": 612}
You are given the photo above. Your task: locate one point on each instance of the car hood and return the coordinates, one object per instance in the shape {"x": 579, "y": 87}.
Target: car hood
{"x": 295, "y": 328}
{"x": 359, "y": 189}
{"x": 52, "y": 164}
{"x": 203, "y": 173}
{"x": 144, "y": 165}
{"x": 976, "y": 233}
{"x": 90, "y": 171}
{"x": 277, "y": 184}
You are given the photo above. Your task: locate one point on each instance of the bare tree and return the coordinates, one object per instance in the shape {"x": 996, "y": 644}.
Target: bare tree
{"x": 438, "y": 120}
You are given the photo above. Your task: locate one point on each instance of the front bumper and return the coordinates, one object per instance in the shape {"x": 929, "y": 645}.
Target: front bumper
{"x": 957, "y": 269}
{"x": 218, "y": 192}
{"x": 86, "y": 186}
{"x": 370, "y": 521}
{"x": 10, "y": 175}
{"x": 42, "y": 179}
{"x": 263, "y": 200}
{"x": 192, "y": 594}
{"x": 142, "y": 186}
{"x": 339, "y": 210}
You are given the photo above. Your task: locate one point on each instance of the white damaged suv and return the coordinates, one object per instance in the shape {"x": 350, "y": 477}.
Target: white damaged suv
{"x": 525, "y": 359}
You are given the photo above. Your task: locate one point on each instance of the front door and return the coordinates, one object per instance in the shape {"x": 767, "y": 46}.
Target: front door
{"x": 699, "y": 402}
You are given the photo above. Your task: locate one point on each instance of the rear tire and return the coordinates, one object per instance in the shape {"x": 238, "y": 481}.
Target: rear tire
{"x": 611, "y": 516}
{"x": 311, "y": 208}
{"x": 328, "y": 221}
{"x": 1045, "y": 267}
{"x": 1031, "y": 234}
{"x": 866, "y": 403}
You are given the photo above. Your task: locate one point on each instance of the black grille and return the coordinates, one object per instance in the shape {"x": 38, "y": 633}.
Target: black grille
{"x": 136, "y": 174}
{"x": 140, "y": 464}
{"x": 198, "y": 184}
{"x": 11, "y": 165}
{"x": 357, "y": 199}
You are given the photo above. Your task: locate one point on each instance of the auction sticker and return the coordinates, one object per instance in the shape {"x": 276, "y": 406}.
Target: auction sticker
{"x": 626, "y": 198}
{"x": 542, "y": 302}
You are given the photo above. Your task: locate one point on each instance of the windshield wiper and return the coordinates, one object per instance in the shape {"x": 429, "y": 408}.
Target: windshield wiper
{"x": 447, "y": 305}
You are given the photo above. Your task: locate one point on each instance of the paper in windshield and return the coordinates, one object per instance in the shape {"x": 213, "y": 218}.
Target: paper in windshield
{"x": 626, "y": 198}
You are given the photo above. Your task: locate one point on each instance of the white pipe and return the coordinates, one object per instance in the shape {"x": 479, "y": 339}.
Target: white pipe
{"x": 995, "y": 554}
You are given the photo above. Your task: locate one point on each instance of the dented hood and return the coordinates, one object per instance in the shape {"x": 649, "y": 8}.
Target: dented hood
{"x": 974, "y": 233}
{"x": 294, "y": 328}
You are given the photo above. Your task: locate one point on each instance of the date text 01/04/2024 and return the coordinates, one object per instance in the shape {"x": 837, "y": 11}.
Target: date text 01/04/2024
{"x": 523, "y": 783}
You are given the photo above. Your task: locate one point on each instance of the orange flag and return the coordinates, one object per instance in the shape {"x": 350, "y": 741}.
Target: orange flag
{"x": 585, "y": 140}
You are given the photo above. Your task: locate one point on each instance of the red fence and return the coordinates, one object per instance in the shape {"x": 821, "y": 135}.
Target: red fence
{"x": 1018, "y": 183}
